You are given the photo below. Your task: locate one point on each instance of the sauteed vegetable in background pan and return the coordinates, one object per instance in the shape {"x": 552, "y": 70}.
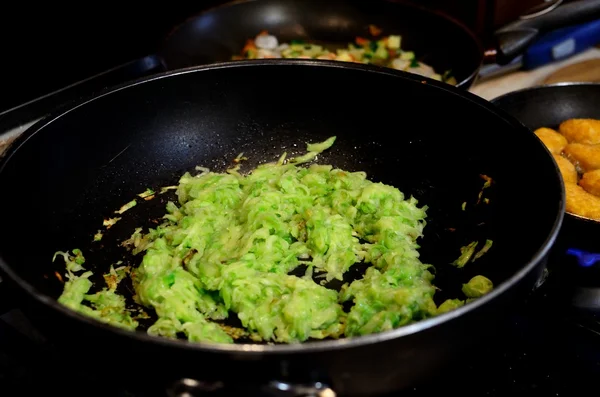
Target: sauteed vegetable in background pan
{"x": 73, "y": 170}
{"x": 436, "y": 40}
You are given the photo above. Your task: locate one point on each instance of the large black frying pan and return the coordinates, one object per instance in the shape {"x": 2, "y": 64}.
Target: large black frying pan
{"x": 438, "y": 40}
{"x": 73, "y": 169}
{"x": 548, "y": 106}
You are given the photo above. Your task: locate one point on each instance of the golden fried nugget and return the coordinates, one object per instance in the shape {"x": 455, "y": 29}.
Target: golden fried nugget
{"x": 567, "y": 169}
{"x": 590, "y": 182}
{"x": 586, "y": 131}
{"x": 554, "y": 141}
{"x": 585, "y": 157}
{"x": 580, "y": 202}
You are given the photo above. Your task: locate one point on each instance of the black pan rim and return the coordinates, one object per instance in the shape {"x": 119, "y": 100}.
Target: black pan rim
{"x": 553, "y": 87}
{"x": 463, "y": 83}
{"x": 307, "y": 347}
{"x": 543, "y": 87}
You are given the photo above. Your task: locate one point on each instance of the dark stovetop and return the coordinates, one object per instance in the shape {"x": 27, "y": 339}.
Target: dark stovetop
{"x": 549, "y": 349}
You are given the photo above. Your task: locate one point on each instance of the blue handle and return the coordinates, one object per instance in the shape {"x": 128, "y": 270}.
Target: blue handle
{"x": 585, "y": 259}
{"x": 561, "y": 43}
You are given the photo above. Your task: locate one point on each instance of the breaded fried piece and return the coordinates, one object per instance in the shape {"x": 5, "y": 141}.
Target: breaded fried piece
{"x": 585, "y": 157}
{"x": 554, "y": 141}
{"x": 567, "y": 169}
{"x": 590, "y": 182}
{"x": 586, "y": 131}
{"x": 582, "y": 203}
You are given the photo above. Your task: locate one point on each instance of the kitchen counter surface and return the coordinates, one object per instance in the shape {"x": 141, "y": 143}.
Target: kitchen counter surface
{"x": 494, "y": 87}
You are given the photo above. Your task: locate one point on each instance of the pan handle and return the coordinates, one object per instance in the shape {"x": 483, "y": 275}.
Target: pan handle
{"x": 41, "y": 106}
{"x": 187, "y": 387}
{"x": 512, "y": 39}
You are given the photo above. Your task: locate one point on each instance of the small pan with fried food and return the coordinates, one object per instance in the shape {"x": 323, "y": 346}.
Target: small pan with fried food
{"x": 566, "y": 118}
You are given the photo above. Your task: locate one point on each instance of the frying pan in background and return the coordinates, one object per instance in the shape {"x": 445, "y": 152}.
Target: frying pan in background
{"x": 73, "y": 169}
{"x": 548, "y": 106}
{"x": 219, "y": 33}
{"x": 436, "y": 39}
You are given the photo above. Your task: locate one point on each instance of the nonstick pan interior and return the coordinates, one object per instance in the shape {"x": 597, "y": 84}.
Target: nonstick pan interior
{"x": 72, "y": 171}
{"x": 548, "y": 106}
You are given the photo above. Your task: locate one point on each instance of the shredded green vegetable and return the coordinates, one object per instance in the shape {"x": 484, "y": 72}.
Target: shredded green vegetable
{"x": 126, "y": 207}
{"x": 147, "y": 193}
{"x": 106, "y": 305}
{"x": 449, "y": 305}
{"x": 486, "y": 247}
{"x": 466, "y": 253}
{"x": 98, "y": 236}
{"x": 229, "y": 244}
{"x": 108, "y": 223}
{"x": 477, "y": 287}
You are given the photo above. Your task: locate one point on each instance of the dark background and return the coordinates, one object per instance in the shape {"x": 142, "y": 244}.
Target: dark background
{"x": 47, "y": 46}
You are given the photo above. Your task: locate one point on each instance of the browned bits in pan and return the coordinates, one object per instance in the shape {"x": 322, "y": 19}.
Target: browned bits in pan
{"x": 59, "y": 277}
